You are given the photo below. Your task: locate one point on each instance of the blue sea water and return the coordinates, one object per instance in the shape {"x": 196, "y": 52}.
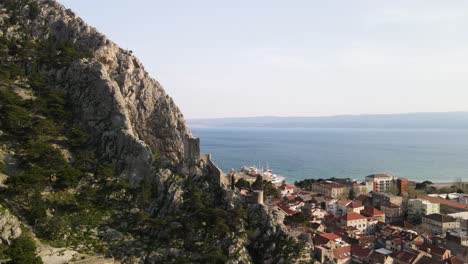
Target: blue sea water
{"x": 419, "y": 154}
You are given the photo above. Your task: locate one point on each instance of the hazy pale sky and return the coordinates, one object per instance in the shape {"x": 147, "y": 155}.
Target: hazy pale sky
{"x": 295, "y": 58}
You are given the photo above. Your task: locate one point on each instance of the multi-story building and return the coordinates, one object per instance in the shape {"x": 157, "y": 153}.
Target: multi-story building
{"x": 355, "y": 220}
{"x": 393, "y": 213}
{"x": 375, "y": 213}
{"x": 381, "y": 182}
{"x": 423, "y": 207}
{"x": 402, "y": 185}
{"x": 439, "y": 223}
{"x": 329, "y": 188}
{"x": 463, "y": 218}
{"x": 379, "y": 198}
{"x": 446, "y": 206}
{"x": 342, "y": 207}
{"x": 354, "y": 207}
{"x": 331, "y": 205}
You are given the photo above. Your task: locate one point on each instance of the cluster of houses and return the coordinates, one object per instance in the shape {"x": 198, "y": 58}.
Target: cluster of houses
{"x": 372, "y": 227}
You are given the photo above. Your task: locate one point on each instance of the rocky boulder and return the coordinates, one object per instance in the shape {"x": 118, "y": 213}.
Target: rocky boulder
{"x": 10, "y": 226}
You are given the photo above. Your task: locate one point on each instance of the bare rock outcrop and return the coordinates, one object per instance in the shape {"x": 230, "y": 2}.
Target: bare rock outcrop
{"x": 128, "y": 113}
{"x": 10, "y": 226}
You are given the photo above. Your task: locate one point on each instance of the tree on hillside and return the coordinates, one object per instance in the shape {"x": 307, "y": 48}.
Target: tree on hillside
{"x": 242, "y": 184}
{"x": 258, "y": 184}
{"x": 351, "y": 194}
{"x": 270, "y": 189}
{"x": 23, "y": 250}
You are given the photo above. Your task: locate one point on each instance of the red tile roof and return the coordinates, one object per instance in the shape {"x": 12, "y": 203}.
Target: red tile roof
{"x": 342, "y": 252}
{"x": 344, "y": 202}
{"x": 286, "y": 209}
{"x": 287, "y": 187}
{"x": 330, "y": 236}
{"x": 444, "y": 202}
{"x": 455, "y": 260}
{"x": 324, "y": 238}
{"x": 440, "y": 218}
{"x": 352, "y": 216}
{"x": 434, "y": 249}
{"x": 405, "y": 256}
{"x": 389, "y": 205}
{"x": 360, "y": 252}
{"x": 371, "y": 212}
{"x": 354, "y": 205}
{"x": 361, "y": 197}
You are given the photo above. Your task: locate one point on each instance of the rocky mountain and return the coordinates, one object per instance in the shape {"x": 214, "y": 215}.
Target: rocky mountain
{"x": 97, "y": 159}
{"x": 126, "y": 111}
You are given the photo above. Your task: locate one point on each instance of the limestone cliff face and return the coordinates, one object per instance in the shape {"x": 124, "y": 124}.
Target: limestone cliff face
{"x": 127, "y": 112}
{"x": 10, "y": 226}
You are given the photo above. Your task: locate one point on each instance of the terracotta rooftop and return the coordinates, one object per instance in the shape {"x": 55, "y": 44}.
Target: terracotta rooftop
{"x": 389, "y": 205}
{"x": 330, "y": 185}
{"x": 440, "y": 218}
{"x": 371, "y": 212}
{"x": 287, "y": 186}
{"x": 405, "y": 256}
{"x": 360, "y": 252}
{"x": 428, "y": 260}
{"x": 455, "y": 260}
{"x": 342, "y": 252}
{"x": 325, "y": 238}
{"x": 344, "y": 202}
{"x": 361, "y": 197}
{"x": 377, "y": 257}
{"x": 352, "y": 216}
{"x": 330, "y": 236}
{"x": 434, "y": 249}
{"x": 354, "y": 205}
{"x": 286, "y": 209}
{"x": 444, "y": 202}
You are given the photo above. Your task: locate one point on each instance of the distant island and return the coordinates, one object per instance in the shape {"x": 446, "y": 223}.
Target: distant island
{"x": 442, "y": 120}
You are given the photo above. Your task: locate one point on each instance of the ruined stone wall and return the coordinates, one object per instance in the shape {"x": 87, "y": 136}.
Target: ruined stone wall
{"x": 191, "y": 150}
{"x": 216, "y": 173}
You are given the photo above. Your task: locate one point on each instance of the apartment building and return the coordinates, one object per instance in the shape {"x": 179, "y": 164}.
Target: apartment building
{"x": 439, "y": 223}
{"x": 421, "y": 206}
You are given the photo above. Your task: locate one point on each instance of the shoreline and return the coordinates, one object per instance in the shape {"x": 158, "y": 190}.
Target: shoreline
{"x": 434, "y": 184}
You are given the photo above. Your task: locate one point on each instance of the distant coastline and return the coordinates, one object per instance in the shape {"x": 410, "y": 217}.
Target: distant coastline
{"x": 435, "y": 120}
{"x": 437, "y": 155}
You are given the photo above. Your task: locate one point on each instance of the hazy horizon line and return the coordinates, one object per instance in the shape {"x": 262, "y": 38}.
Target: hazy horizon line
{"x": 331, "y": 115}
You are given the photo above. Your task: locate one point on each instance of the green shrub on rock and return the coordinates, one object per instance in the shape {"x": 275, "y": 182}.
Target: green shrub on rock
{"x": 22, "y": 251}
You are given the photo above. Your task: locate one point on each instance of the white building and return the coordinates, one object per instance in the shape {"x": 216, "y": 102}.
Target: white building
{"x": 463, "y": 218}
{"x": 332, "y": 206}
{"x": 381, "y": 182}
{"x": 423, "y": 207}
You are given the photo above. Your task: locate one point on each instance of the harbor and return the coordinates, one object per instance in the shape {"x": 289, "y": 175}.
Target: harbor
{"x": 250, "y": 174}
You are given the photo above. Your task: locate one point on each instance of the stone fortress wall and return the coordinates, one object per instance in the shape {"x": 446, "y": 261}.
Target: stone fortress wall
{"x": 191, "y": 150}
{"x": 192, "y": 158}
{"x": 216, "y": 173}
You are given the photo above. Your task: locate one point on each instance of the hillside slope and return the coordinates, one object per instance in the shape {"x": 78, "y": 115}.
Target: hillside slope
{"x": 96, "y": 157}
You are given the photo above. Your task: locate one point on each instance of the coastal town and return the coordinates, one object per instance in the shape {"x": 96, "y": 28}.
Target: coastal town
{"x": 382, "y": 219}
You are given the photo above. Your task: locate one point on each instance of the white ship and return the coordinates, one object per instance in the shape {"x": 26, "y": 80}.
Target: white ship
{"x": 267, "y": 174}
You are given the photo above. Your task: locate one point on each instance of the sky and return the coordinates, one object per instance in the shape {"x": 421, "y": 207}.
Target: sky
{"x": 295, "y": 58}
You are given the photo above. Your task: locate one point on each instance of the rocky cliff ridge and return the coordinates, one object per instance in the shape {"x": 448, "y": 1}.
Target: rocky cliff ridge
{"x": 176, "y": 209}
{"x": 129, "y": 114}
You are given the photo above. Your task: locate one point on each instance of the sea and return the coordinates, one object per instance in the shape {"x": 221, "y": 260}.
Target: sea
{"x": 437, "y": 155}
